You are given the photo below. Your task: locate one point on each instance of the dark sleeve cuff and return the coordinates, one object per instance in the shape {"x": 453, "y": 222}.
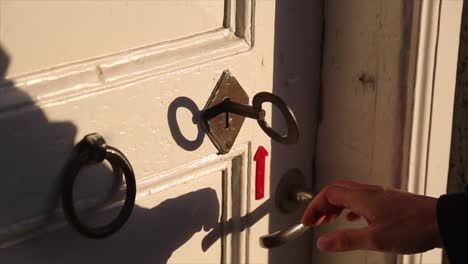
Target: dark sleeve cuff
{"x": 452, "y": 217}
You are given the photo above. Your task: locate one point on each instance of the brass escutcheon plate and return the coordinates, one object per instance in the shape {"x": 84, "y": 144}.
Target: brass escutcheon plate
{"x": 224, "y": 128}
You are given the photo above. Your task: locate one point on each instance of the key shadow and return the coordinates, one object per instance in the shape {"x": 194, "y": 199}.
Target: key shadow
{"x": 180, "y": 139}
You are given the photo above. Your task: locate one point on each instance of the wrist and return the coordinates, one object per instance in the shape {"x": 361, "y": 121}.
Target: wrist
{"x": 434, "y": 224}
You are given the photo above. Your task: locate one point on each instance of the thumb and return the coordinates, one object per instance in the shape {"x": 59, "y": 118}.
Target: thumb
{"x": 346, "y": 240}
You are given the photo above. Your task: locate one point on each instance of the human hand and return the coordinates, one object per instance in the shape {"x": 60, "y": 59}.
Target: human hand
{"x": 398, "y": 222}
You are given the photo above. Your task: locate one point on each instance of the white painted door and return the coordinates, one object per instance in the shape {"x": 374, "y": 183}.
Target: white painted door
{"x": 138, "y": 73}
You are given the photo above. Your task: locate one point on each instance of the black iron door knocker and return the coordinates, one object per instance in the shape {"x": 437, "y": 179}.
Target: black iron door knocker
{"x": 92, "y": 149}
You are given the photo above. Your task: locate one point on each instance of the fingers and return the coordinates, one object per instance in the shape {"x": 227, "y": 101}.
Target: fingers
{"x": 346, "y": 240}
{"x": 319, "y": 208}
{"x": 330, "y": 217}
{"x": 348, "y": 183}
{"x": 332, "y": 200}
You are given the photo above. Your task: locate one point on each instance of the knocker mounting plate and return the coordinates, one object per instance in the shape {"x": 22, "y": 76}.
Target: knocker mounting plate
{"x": 224, "y": 128}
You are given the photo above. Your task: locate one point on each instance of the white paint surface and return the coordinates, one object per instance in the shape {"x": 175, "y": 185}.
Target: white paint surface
{"x": 140, "y": 100}
{"x": 42, "y": 34}
{"x": 127, "y": 97}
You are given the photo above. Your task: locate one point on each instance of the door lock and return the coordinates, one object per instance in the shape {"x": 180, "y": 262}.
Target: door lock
{"x": 228, "y": 107}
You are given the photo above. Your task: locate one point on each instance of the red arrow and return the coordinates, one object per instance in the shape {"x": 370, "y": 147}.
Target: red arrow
{"x": 260, "y": 172}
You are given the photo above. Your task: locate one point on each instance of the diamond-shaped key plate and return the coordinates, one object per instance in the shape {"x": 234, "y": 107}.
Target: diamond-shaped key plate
{"x": 220, "y": 130}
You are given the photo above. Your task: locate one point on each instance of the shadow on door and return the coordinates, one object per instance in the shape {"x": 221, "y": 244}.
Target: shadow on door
{"x": 297, "y": 63}
{"x": 33, "y": 151}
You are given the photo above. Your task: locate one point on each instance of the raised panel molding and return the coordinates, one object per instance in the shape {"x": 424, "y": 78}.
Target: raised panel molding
{"x": 80, "y": 79}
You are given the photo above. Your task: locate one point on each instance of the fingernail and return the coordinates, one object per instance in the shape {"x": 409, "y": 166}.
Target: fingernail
{"x": 324, "y": 243}
{"x": 330, "y": 218}
{"x": 320, "y": 220}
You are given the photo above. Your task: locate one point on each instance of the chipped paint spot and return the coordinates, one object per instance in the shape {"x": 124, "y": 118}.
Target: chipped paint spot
{"x": 367, "y": 82}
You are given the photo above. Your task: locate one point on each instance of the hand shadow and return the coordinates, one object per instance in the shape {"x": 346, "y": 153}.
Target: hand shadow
{"x": 160, "y": 231}
{"x": 236, "y": 225}
{"x": 150, "y": 237}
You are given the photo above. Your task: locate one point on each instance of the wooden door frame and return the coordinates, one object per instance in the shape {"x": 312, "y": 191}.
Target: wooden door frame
{"x": 430, "y": 127}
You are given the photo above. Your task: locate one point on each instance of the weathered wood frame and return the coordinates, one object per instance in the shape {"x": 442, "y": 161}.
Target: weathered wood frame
{"x": 434, "y": 89}
{"x": 388, "y": 82}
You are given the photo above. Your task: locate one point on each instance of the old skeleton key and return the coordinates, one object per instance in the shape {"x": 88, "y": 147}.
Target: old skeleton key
{"x": 228, "y": 107}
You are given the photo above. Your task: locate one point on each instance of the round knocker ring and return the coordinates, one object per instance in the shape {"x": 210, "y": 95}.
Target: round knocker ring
{"x": 91, "y": 149}
{"x": 293, "y": 132}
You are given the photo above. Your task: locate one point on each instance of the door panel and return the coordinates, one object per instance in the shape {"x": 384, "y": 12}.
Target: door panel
{"x": 170, "y": 223}
{"x": 74, "y": 30}
{"x": 127, "y": 124}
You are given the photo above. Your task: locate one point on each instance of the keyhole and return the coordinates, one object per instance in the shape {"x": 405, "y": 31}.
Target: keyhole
{"x": 228, "y": 116}
{"x": 227, "y": 121}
